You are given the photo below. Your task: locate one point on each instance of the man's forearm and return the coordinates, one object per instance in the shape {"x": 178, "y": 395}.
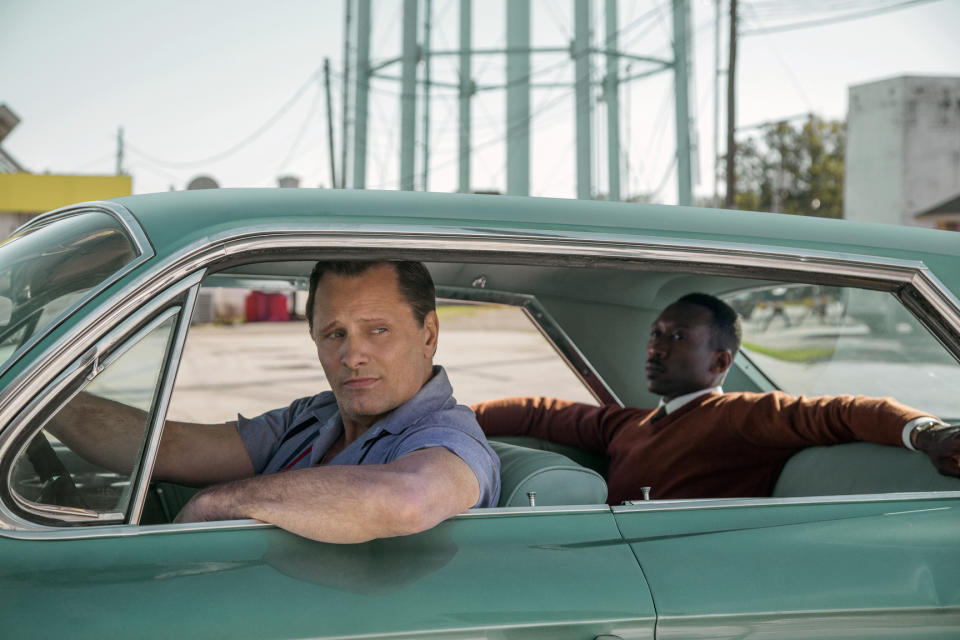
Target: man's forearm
{"x": 111, "y": 435}
{"x": 102, "y": 431}
{"x": 347, "y": 504}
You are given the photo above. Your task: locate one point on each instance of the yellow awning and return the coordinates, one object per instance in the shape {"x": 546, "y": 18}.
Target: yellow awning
{"x": 37, "y": 192}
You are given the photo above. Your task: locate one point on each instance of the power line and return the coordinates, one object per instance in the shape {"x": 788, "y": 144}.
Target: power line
{"x": 240, "y": 145}
{"x": 833, "y": 20}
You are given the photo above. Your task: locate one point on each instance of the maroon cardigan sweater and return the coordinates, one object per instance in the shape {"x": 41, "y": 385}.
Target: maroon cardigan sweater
{"x": 716, "y": 446}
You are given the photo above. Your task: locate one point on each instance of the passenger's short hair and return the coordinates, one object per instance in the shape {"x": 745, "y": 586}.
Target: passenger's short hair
{"x": 414, "y": 280}
{"x": 725, "y": 327}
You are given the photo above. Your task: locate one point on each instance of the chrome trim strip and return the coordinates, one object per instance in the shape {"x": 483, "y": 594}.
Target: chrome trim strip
{"x": 131, "y": 530}
{"x": 140, "y": 242}
{"x": 72, "y": 370}
{"x": 728, "y": 503}
{"x": 128, "y": 530}
{"x": 145, "y": 472}
{"x": 548, "y": 328}
{"x": 523, "y": 511}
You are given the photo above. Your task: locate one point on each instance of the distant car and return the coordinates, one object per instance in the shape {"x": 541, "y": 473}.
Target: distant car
{"x": 856, "y": 541}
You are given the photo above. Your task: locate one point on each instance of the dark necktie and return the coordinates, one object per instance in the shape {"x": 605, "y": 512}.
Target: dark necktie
{"x": 659, "y": 413}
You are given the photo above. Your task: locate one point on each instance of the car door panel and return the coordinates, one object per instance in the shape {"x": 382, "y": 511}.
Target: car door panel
{"x": 849, "y": 568}
{"x": 524, "y": 575}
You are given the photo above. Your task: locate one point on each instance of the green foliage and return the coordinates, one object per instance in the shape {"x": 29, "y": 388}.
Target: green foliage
{"x": 792, "y": 169}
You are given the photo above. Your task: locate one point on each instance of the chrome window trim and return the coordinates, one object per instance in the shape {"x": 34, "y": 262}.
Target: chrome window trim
{"x": 79, "y": 366}
{"x": 171, "y": 366}
{"x": 137, "y": 236}
{"x": 548, "y": 328}
{"x": 132, "y": 530}
{"x": 637, "y": 506}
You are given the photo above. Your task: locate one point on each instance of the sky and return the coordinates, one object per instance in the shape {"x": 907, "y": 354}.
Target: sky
{"x": 234, "y": 89}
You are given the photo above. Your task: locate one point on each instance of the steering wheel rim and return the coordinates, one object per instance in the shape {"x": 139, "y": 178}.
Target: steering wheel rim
{"x": 57, "y": 485}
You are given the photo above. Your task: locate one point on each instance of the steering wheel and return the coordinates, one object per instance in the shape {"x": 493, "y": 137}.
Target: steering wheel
{"x": 57, "y": 486}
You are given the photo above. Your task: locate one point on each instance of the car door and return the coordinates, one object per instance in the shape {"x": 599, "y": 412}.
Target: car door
{"x": 74, "y": 562}
{"x": 828, "y": 567}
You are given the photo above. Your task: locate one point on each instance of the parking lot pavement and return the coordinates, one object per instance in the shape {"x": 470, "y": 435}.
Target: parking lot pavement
{"x": 252, "y": 368}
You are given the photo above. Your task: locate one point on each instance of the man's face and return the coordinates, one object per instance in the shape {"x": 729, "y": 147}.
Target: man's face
{"x": 680, "y": 358}
{"x": 374, "y": 353}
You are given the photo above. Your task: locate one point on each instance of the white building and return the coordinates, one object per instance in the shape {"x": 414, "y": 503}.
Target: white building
{"x": 903, "y": 151}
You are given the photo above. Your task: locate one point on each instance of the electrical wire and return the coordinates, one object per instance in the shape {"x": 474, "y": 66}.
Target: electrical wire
{"x": 240, "y": 145}
{"x": 833, "y": 20}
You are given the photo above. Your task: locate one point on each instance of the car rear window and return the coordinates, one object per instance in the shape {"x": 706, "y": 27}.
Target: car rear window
{"x": 47, "y": 268}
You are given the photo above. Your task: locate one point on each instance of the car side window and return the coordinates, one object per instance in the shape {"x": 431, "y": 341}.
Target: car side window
{"x": 72, "y": 468}
{"x": 824, "y": 340}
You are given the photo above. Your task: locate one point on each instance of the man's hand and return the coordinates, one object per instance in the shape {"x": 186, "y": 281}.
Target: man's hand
{"x": 942, "y": 445}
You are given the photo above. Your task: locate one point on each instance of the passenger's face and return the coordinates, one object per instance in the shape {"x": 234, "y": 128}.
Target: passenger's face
{"x": 680, "y": 358}
{"x": 374, "y": 353}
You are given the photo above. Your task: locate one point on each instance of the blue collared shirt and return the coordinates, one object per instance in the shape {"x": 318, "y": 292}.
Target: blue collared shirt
{"x": 297, "y": 436}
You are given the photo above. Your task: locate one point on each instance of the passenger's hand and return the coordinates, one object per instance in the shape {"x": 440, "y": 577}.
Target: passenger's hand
{"x": 942, "y": 445}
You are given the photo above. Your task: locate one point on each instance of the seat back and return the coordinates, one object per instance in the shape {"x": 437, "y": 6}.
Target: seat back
{"x": 858, "y": 468}
{"x": 556, "y": 479}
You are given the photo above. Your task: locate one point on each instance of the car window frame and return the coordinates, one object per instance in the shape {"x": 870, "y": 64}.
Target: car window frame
{"x": 179, "y": 300}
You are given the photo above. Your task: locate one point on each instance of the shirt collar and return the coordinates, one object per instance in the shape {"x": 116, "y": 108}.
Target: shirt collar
{"x": 680, "y": 401}
{"x": 432, "y": 396}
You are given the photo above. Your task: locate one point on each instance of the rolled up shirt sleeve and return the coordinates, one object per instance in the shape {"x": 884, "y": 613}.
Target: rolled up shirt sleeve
{"x": 477, "y": 454}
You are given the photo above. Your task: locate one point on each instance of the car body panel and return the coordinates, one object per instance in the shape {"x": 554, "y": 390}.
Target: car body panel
{"x": 515, "y": 573}
{"x": 723, "y": 564}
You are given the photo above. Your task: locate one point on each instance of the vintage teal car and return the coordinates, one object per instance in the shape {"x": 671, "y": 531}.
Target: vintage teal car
{"x": 857, "y": 540}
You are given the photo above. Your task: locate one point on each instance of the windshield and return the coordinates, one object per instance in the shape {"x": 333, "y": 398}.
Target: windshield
{"x": 47, "y": 268}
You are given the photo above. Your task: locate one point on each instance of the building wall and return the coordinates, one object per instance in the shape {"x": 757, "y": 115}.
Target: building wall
{"x": 24, "y": 195}
{"x": 903, "y": 148}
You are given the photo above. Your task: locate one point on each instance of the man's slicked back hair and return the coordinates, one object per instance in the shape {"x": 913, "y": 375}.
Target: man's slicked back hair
{"x": 725, "y": 326}
{"x": 416, "y": 285}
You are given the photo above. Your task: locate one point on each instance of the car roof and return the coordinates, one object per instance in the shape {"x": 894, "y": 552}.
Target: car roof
{"x": 173, "y": 220}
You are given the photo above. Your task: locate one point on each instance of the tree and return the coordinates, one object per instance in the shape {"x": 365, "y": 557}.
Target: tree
{"x": 791, "y": 169}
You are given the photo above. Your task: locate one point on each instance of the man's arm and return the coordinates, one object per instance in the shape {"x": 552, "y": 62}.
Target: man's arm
{"x": 346, "y": 504}
{"x": 559, "y": 421}
{"x": 826, "y": 420}
{"x": 110, "y": 434}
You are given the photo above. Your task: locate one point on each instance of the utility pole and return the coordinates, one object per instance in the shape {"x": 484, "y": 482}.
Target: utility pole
{"x": 333, "y": 162}
{"x": 348, "y": 4}
{"x": 611, "y": 91}
{"x": 518, "y": 97}
{"x": 731, "y": 195}
{"x": 359, "y": 176}
{"x": 408, "y": 95}
{"x": 681, "y": 82}
{"x": 120, "y": 151}
{"x": 466, "y": 93}
{"x": 716, "y": 104}
{"x": 580, "y": 51}
{"x": 427, "y": 16}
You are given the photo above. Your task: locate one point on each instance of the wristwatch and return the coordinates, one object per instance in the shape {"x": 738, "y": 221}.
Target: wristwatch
{"x": 924, "y": 426}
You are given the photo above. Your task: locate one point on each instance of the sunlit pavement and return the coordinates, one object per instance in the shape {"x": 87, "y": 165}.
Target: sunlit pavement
{"x": 252, "y": 368}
